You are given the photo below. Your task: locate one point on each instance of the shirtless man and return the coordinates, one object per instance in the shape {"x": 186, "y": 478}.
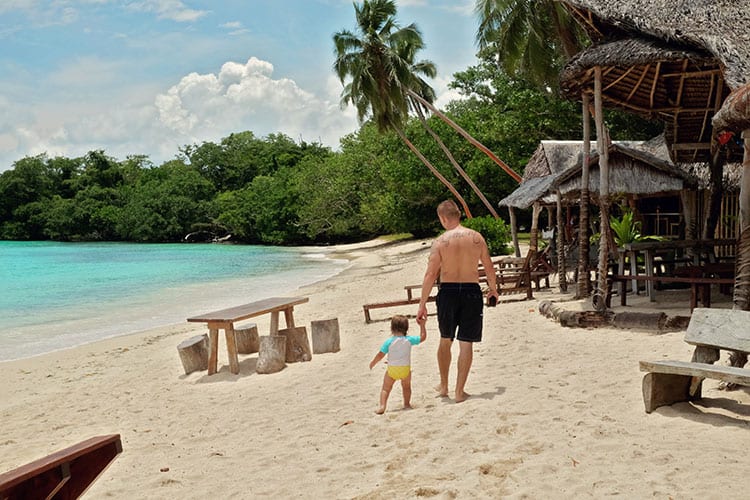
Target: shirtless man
{"x": 454, "y": 258}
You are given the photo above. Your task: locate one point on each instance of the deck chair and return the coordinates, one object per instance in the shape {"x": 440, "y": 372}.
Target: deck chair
{"x": 66, "y": 474}
{"x": 516, "y": 280}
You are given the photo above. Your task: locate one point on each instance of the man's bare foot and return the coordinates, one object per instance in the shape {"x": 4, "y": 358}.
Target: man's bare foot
{"x": 462, "y": 397}
{"x": 407, "y": 407}
{"x": 380, "y": 410}
{"x": 442, "y": 391}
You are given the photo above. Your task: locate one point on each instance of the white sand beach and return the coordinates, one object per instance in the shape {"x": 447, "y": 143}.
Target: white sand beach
{"x": 555, "y": 412}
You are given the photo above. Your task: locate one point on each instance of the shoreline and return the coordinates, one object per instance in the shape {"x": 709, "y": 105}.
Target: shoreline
{"x": 554, "y": 412}
{"x": 85, "y": 323}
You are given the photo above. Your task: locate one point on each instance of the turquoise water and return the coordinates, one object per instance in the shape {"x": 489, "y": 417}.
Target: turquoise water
{"x": 59, "y": 295}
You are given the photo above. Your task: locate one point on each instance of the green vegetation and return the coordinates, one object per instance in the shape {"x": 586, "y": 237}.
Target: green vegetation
{"x": 496, "y": 233}
{"x": 273, "y": 190}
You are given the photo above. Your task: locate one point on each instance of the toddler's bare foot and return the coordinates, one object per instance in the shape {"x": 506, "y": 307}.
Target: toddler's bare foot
{"x": 442, "y": 391}
{"x": 380, "y": 410}
{"x": 460, "y": 398}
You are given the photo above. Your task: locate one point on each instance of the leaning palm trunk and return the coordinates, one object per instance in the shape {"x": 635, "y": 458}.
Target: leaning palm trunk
{"x": 465, "y": 135}
{"x": 453, "y": 161}
{"x": 434, "y": 171}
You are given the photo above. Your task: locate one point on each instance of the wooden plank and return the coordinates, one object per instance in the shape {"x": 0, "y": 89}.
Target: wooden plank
{"x": 245, "y": 311}
{"x": 722, "y": 328}
{"x": 732, "y": 374}
{"x": 67, "y": 473}
{"x": 366, "y": 308}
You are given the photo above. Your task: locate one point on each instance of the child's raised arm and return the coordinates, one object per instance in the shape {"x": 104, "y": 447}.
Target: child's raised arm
{"x": 380, "y": 355}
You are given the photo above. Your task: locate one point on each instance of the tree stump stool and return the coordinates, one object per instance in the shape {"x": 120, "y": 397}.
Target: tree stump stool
{"x": 297, "y": 345}
{"x": 247, "y": 339}
{"x": 272, "y": 354}
{"x": 325, "y": 335}
{"x": 194, "y": 353}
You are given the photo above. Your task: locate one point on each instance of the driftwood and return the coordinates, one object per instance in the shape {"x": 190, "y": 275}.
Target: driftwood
{"x": 297, "y": 345}
{"x": 194, "y": 353}
{"x": 658, "y": 321}
{"x": 272, "y": 354}
{"x": 325, "y": 335}
{"x": 247, "y": 339}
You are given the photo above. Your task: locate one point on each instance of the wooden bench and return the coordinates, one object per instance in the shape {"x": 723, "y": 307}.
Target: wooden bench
{"x": 410, "y": 299}
{"x": 710, "y": 331}
{"x": 700, "y": 287}
{"x": 65, "y": 474}
{"x": 226, "y": 318}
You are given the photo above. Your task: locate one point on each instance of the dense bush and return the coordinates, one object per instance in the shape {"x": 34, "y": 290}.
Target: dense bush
{"x": 496, "y": 233}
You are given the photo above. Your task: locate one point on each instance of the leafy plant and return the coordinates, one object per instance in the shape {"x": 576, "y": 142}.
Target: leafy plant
{"x": 628, "y": 230}
{"x": 496, "y": 233}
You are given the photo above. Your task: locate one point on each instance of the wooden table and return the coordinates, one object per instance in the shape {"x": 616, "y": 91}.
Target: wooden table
{"x": 649, "y": 248}
{"x": 226, "y": 318}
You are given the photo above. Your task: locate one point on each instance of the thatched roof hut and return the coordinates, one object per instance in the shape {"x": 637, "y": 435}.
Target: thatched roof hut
{"x": 637, "y": 167}
{"x": 721, "y": 27}
{"x": 676, "y": 61}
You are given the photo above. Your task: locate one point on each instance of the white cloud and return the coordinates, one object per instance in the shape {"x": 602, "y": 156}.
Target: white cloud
{"x": 168, "y": 9}
{"x": 247, "y": 97}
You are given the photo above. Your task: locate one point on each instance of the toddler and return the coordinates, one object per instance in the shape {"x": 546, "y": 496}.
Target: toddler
{"x": 398, "y": 349}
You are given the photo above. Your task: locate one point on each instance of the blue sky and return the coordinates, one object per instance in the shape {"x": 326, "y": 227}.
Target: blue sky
{"x": 149, "y": 76}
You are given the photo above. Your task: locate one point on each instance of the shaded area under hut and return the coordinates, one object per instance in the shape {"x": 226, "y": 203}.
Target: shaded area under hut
{"x": 677, "y": 63}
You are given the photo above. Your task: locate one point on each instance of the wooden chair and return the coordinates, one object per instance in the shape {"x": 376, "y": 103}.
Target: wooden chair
{"x": 516, "y": 280}
{"x": 541, "y": 267}
{"x": 66, "y": 474}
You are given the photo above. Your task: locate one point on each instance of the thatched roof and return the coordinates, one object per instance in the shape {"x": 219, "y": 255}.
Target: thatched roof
{"x": 636, "y": 167}
{"x": 682, "y": 87}
{"x": 673, "y": 60}
{"x": 721, "y": 27}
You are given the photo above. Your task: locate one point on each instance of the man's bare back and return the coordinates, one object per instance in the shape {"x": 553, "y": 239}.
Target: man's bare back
{"x": 460, "y": 251}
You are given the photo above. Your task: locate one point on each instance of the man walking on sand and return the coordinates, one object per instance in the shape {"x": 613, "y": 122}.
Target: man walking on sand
{"x": 454, "y": 258}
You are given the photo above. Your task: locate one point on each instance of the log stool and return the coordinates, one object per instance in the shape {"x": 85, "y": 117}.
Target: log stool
{"x": 325, "y": 335}
{"x": 297, "y": 345}
{"x": 272, "y": 354}
{"x": 247, "y": 339}
{"x": 194, "y": 353}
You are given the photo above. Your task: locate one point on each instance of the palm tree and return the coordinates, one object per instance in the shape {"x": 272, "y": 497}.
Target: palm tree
{"x": 532, "y": 37}
{"x": 379, "y": 75}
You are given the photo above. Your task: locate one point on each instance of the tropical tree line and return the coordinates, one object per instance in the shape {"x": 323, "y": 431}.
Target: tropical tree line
{"x": 274, "y": 190}
{"x": 387, "y": 177}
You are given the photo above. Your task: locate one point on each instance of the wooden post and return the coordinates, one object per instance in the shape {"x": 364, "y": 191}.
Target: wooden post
{"x": 325, "y": 335}
{"x": 272, "y": 354}
{"x": 194, "y": 353}
{"x": 602, "y": 147}
{"x": 584, "y": 284}
{"x": 561, "y": 271}
{"x": 514, "y": 230}
{"x": 297, "y": 345}
{"x": 247, "y": 339}
{"x": 213, "y": 350}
